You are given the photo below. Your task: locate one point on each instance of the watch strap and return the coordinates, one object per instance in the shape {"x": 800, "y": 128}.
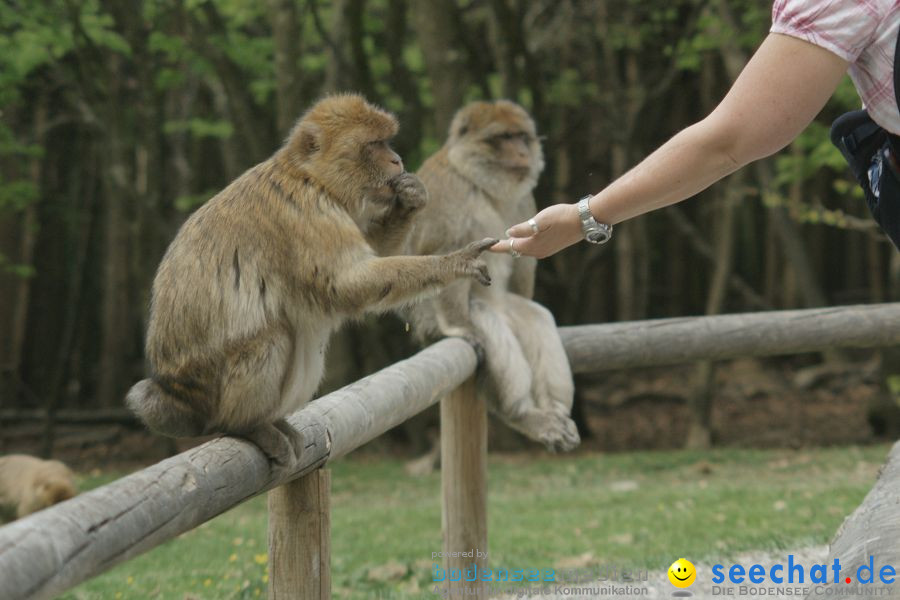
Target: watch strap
{"x": 593, "y": 231}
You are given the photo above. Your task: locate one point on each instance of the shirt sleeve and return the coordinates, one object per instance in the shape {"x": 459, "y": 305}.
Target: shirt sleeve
{"x": 845, "y": 27}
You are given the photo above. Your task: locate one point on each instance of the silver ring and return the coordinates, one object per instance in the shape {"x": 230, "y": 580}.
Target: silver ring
{"x": 533, "y": 224}
{"x": 512, "y": 251}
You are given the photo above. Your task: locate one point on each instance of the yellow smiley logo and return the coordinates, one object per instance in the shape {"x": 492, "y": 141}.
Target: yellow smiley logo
{"x": 682, "y": 573}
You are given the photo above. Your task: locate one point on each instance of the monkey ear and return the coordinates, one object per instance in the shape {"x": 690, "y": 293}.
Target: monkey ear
{"x": 305, "y": 139}
{"x": 462, "y": 128}
{"x": 460, "y": 125}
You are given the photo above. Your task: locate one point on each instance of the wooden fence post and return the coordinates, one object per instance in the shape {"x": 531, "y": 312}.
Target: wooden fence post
{"x": 464, "y": 483}
{"x": 300, "y": 538}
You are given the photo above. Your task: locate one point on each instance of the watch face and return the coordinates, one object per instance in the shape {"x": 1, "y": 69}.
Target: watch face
{"x": 597, "y": 236}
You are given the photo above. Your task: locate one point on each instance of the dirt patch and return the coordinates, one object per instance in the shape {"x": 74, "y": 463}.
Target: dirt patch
{"x": 753, "y": 403}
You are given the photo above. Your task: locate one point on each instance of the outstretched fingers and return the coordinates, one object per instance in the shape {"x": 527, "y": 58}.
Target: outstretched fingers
{"x": 515, "y": 246}
{"x": 470, "y": 262}
{"x": 525, "y": 230}
{"x": 476, "y": 248}
{"x": 554, "y": 228}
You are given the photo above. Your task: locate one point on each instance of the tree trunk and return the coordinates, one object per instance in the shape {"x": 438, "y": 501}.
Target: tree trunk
{"x": 255, "y": 131}
{"x": 286, "y": 37}
{"x": 503, "y": 39}
{"x": 700, "y": 433}
{"x": 626, "y": 252}
{"x": 444, "y": 62}
{"x": 788, "y": 232}
{"x": 17, "y": 242}
{"x": 119, "y": 191}
{"x": 412, "y": 113}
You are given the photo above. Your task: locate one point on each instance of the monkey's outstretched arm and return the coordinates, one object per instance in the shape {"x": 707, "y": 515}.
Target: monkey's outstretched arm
{"x": 381, "y": 283}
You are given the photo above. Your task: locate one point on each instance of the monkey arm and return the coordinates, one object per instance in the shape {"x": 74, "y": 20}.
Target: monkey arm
{"x": 381, "y": 283}
{"x": 387, "y": 233}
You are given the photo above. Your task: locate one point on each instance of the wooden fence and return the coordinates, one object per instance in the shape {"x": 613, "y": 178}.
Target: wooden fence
{"x": 53, "y": 550}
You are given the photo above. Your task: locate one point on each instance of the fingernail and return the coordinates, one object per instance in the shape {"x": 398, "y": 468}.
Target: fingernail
{"x": 509, "y": 232}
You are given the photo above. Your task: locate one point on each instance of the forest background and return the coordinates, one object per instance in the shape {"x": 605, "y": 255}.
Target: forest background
{"x": 117, "y": 119}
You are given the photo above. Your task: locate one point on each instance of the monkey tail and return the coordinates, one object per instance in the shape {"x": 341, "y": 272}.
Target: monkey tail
{"x": 162, "y": 412}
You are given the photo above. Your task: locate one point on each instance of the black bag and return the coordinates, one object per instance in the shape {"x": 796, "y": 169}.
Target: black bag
{"x": 873, "y": 155}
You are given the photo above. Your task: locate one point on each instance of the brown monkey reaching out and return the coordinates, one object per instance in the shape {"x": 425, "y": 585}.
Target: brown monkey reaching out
{"x": 250, "y": 290}
{"x": 478, "y": 183}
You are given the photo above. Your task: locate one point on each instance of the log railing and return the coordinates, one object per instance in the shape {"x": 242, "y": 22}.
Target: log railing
{"x": 53, "y": 550}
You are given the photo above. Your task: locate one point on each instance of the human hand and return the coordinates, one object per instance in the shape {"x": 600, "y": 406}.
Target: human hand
{"x": 558, "y": 227}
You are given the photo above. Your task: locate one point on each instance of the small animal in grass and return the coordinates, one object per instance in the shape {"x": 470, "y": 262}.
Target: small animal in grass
{"x": 29, "y": 484}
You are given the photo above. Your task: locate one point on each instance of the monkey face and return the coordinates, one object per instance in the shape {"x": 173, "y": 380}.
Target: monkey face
{"x": 495, "y": 144}
{"x": 343, "y": 142}
{"x": 513, "y": 150}
{"x": 382, "y": 162}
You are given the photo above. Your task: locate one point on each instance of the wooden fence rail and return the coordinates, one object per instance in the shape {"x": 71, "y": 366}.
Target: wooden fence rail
{"x": 658, "y": 342}
{"x": 51, "y": 551}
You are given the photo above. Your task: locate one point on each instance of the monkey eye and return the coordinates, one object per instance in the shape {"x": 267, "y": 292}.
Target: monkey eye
{"x": 509, "y": 136}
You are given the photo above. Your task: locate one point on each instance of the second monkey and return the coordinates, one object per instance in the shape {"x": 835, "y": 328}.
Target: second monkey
{"x": 478, "y": 183}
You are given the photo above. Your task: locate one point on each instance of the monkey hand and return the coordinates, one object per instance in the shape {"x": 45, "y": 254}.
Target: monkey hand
{"x": 467, "y": 261}
{"x": 409, "y": 192}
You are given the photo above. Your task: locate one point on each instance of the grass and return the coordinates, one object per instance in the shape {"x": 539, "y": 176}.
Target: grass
{"x": 638, "y": 510}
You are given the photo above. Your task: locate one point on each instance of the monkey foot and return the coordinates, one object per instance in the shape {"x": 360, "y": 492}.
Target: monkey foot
{"x": 565, "y": 437}
{"x": 280, "y": 442}
{"x": 556, "y": 432}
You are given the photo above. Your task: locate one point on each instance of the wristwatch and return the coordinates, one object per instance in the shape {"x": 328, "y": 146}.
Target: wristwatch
{"x": 594, "y": 232}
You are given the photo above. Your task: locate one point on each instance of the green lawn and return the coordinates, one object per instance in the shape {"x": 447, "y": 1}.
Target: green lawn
{"x": 635, "y": 510}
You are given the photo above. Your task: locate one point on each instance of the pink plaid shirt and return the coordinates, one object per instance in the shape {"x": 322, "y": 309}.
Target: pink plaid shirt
{"x": 862, "y": 32}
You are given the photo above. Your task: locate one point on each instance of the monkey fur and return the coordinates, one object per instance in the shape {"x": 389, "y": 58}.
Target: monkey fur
{"x": 479, "y": 183}
{"x": 257, "y": 279}
{"x": 29, "y": 484}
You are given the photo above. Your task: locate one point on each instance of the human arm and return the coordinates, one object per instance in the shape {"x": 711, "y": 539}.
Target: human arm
{"x": 780, "y": 91}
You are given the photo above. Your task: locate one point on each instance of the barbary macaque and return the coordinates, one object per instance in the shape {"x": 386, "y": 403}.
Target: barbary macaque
{"x": 478, "y": 183}
{"x": 29, "y": 484}
{"x": 257, "y": 279}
